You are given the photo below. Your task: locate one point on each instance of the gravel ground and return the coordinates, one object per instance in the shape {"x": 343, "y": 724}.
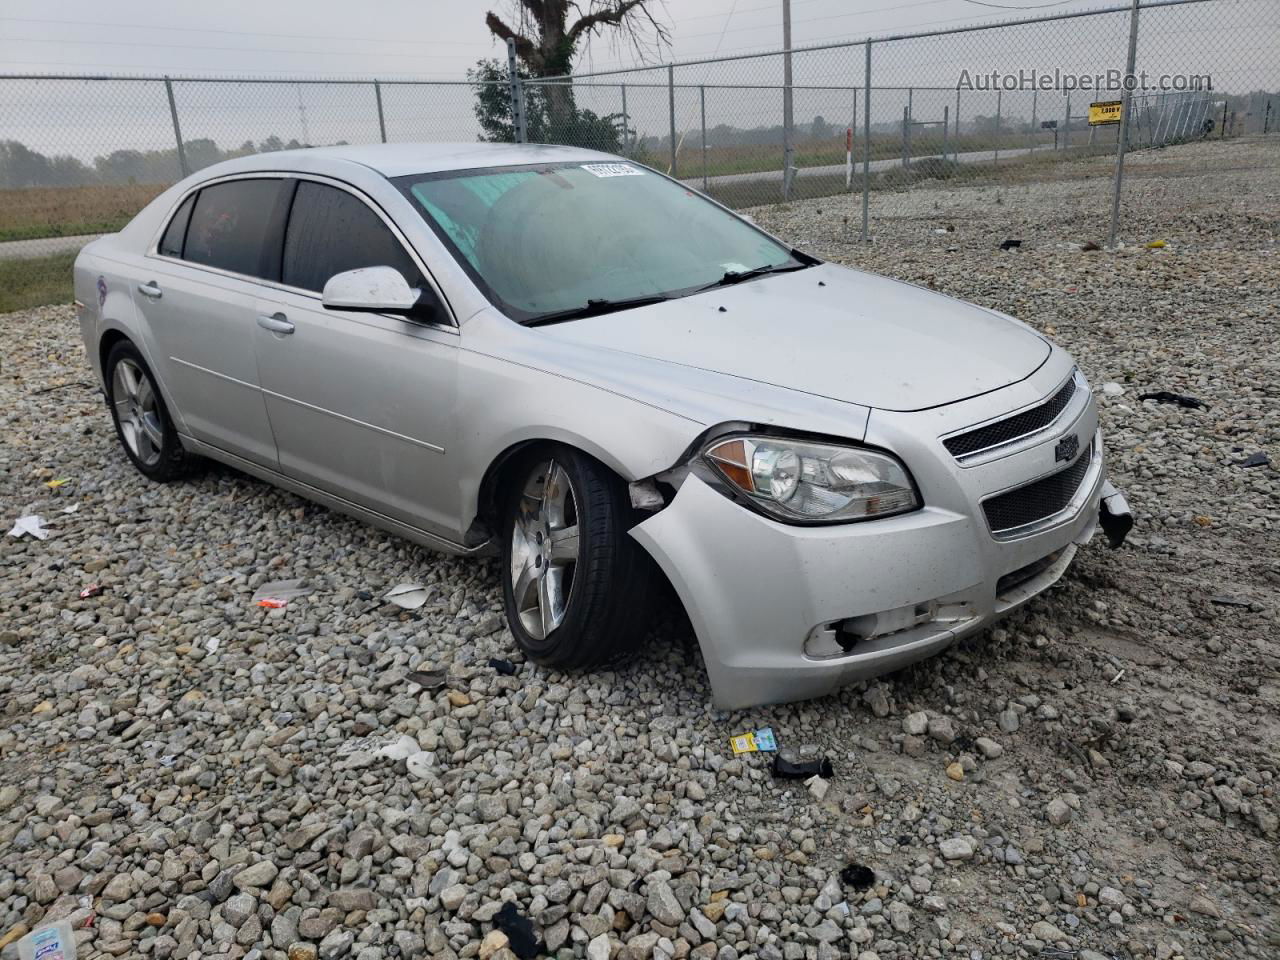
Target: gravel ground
{"x": 186, "y": 775}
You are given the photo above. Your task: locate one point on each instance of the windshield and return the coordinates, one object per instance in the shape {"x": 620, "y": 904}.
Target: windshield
{"x": 550, "y": 239}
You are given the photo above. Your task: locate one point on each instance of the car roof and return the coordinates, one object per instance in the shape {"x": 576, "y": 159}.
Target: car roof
{"x": 402, "y": 159}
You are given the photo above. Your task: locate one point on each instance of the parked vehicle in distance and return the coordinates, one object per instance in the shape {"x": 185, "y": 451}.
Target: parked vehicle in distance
{"x": 569, "y": 358}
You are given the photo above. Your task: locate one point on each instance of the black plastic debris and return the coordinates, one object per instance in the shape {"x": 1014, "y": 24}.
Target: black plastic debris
{"x": 1181, "y": 399}
{"x": 1011, "y": 245}
{"x": 1256, "y": 460}
{"x": 787, "y": 770}
{"x": 524, "y": 943}
{"x": 504, "y": 667}
{"x": 428, "y": 679}
{"x": 857, "y": 876}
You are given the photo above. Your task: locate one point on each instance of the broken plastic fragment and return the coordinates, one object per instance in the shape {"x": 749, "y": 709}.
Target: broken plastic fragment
{"x": 92, "y": 590}
{"x": 1255, "y": 460}
{"x": 32, "y": 525}
{"x": 1011, "y": 245}
{"x": 857, "y": 876}
{"x": 273, "y": 603}
{"x": 787, "y": 770}
{"x": 1182, "y": 400}
{"x": 212, "y": 644}
{"x": 524, "y": 943}
{"x": 55, "y": 484}
{"x": 1155, "y": 245}
{"x": 409, "y": 596}
{"x": 283, "y": 590}
{"x": 504, "y": 667}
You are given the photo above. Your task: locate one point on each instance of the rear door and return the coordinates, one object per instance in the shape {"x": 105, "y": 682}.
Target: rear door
{"x": 362, "y": 405}
{"x": 197, "y": 292}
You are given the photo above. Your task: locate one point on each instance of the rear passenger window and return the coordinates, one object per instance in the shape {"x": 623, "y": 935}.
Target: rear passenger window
{"x": 330, "y": 231}
{"x": 171, "y": 242}
{"x": 228, "y": 224}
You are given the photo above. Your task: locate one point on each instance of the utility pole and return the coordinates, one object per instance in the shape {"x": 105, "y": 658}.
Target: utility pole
{"x": 788, "y": 120}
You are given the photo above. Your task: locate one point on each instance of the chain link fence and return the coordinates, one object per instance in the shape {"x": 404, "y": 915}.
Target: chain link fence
{"x": 906, "y": 132}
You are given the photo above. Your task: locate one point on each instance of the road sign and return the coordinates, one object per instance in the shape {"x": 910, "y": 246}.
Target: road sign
{"x": 1103, "y": 112}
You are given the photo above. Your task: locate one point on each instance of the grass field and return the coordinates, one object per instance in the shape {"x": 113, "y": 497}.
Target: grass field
{"x": 36, "y": 212}
{"x": 35, "y": 281}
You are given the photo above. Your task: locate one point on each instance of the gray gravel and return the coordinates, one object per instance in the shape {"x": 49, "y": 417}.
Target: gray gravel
{"x": 184, "y": 774}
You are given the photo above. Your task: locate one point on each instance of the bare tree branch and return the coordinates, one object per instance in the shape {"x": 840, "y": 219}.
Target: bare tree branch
{"x": 525, "y": 48}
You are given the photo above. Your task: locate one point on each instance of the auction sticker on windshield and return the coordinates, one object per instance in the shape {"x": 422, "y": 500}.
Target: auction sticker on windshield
{"x": 612, "y": 170}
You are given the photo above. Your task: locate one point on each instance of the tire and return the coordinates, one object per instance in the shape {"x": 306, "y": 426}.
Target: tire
{"x": 604, "y": 577}
{"x": 143, "y": 425}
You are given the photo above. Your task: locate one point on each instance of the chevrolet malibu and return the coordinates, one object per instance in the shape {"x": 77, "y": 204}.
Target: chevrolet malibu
{"x": 567, "y": 358}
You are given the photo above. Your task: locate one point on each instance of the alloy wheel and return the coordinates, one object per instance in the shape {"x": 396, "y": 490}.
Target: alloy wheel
{"x": 138, "y": 411}
{"x": 544, "y": 549}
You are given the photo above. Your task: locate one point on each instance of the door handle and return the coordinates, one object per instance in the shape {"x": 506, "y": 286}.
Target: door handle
{"x": 150, "y": 289}
{"x": 276, "y": 323}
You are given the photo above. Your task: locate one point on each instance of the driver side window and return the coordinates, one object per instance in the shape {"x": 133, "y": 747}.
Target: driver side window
{"x": 331, "y": 231}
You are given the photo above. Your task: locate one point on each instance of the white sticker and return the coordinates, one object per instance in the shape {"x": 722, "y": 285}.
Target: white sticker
{"x": 612, "y": 170}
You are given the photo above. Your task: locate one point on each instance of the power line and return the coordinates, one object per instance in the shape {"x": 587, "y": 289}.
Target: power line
{"x": 197, "y": 46}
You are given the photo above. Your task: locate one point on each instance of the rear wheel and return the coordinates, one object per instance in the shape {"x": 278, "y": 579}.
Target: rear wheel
{"x": 142, "y": 423}
{"x": 576, "y": 585}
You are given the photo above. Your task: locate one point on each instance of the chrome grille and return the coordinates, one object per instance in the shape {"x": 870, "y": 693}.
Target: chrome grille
{"x": 1011, "y": 428}
{"x": 1039, "y": 499}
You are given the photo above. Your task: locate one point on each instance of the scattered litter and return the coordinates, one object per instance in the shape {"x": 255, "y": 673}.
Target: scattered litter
{"x": 1156, "y": 245}
{"x": 751, "y": 742}
{"x": 31, "y": 524}
{"x": 273, "y": 603}
{"x": 1116, "y": 678}
{"x": 55, "y": 484}
{"x": 282, "y": 591}
{"x": 787, "y": 770}
{"x": 857, "y": 876}
{"x": 168, "y": 760}
{"x": 524, "y": 943}
{"x": 402, "y": 748}
{"x": 54, "y": 942}
{"x": 504, "y": 667}
{"x": 409, "y": 596}
{"x": 1182, "y": 400}
{"x": 428, "y": 679}
{"x": 1225, "y": 601}
{"x": 1011, "y": 245}
{"x": 212, "y": 644}
{"x": 71, "y": 509}
{"x": 1089, "y": 245}
{"x": 92, "y": 590}
{"x": 1256, "y": 460}
{"x": 818, "y": 787}
{"x": 1113, "y": 389}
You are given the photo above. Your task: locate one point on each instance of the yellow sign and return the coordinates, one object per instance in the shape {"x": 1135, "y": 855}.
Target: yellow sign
{"x": 1107, "y": 111}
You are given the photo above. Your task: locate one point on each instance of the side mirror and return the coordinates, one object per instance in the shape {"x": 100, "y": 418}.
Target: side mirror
{"x": 372, "y": 290}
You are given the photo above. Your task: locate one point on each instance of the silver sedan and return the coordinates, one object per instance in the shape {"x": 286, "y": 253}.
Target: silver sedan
{"x": 570, "y": 359}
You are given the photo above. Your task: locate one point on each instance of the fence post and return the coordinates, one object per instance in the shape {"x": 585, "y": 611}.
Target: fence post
{"x": 1266, "y": 119}
{"x": 946, "y": 125}
{"x": 999, "y": 99}
{"x": 626, "y": 123}
{"x": 1224, "y": 120}
{"x": 177, "y": 130}
{"x": 853, "y": 129}
{"x": 519, "y": 130}
{"x": 1034, "y": 94}
{"x": 866, "y": 145}
{"x": 956, "y": 149}
{"x": 1125, "y": 99}
{"x": 1066, "y": 127}
{"x": 702, "y": 100}
{"x": 382, "y": 120}
{"x": 906, "y": 137}
{"x": 671, "y": 106}
{"x": 788, "y": 114}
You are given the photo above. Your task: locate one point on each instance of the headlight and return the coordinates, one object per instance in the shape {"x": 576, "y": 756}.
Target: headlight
{"x": 797, "y": 480}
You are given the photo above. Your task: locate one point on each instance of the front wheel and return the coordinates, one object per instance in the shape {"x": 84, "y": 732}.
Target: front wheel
{"x": 576, "y": 585}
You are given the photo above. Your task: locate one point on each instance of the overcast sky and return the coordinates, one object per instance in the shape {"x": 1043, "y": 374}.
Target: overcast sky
{"x": 427, "y": 38}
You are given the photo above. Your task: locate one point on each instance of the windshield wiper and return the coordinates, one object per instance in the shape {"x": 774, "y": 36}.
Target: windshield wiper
{"x": 595, "y": 308}
{"x": 738, "y": 276}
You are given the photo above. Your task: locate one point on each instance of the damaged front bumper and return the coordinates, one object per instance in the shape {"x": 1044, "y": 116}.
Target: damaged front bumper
{"x": 787, "y": 612}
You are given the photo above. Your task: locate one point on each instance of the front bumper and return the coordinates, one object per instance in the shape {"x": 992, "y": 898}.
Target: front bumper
{"x": 770, "y": 602}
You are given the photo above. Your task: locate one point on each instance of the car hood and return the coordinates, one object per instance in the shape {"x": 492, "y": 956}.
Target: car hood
{"x": 828, "y": 331}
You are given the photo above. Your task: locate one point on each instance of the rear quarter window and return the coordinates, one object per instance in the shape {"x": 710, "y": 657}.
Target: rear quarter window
{"x": 228, "y": 225}
{"x": 176, "y": 232}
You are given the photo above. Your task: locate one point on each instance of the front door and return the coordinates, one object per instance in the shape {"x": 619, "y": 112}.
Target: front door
{"x": 362, "y": 405}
